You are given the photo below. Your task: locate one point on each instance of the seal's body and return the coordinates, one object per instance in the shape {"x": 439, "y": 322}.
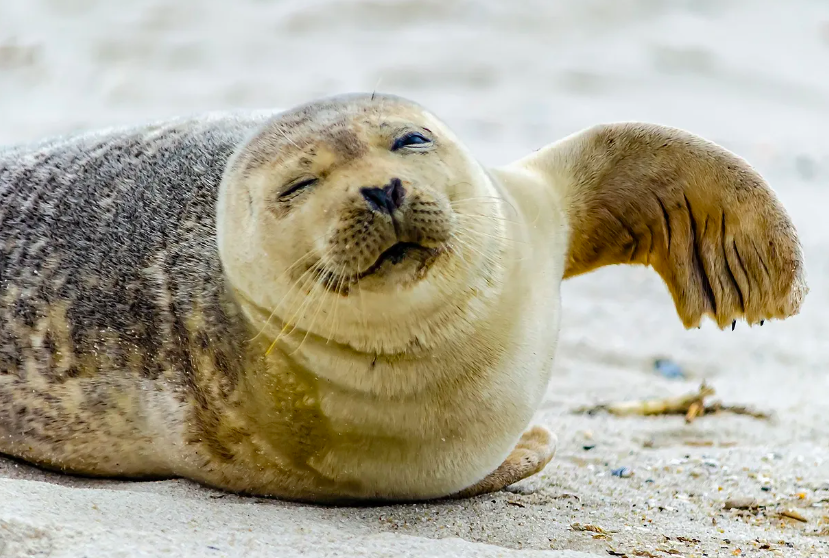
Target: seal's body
{"x": 113, "y": 294}
{"x": 338, "y": 301}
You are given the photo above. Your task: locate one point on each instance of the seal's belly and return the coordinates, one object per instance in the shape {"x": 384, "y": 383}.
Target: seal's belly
{"x": 88, "y": 425}
{"x": 445, "y": 440}
{"x": 427, "y": 449}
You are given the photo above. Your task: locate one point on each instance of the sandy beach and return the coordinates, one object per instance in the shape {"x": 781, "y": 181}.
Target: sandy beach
{"x": 508, "y": 77}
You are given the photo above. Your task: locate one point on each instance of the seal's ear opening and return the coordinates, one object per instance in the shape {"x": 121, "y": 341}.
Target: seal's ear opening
{"x": 699, "y": 215}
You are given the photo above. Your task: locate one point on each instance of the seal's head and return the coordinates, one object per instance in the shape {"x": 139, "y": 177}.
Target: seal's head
{"x": 353, "y": 212}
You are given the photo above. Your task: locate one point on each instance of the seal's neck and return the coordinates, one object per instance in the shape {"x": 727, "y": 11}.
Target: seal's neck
{"x": 398, "y": 356}
{"x": 417, "y": 330}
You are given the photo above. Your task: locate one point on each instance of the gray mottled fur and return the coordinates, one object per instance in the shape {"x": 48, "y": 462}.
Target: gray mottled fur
{"x": 107, "y": 245}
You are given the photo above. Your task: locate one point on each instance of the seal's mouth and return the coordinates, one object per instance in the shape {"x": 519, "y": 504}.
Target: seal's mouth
{"x": 396, "y": 254}
{"x": 415, "y": 257}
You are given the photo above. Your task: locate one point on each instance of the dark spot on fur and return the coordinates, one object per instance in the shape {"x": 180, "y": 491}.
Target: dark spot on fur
{"x": 49, "y": 343}
{"x": 208, "y": 423}
{"x": 221, "y": 362}
{"x": 346, "y": 143}
{"x": 203, "y": 340}
{"x": 26, "y": 311}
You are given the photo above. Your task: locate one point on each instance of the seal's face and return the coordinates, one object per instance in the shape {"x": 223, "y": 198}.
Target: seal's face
{"x": 369, "y": 197}
{"x": 380, "y": 196}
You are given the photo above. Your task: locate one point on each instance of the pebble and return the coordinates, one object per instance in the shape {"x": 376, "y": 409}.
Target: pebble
{"x": 668, "y": 368}
{"x": 794, "y": 514}
{"x": 740, "y": 504}
{"x": 586, "y": 527}
{"x": 623, "y": 472}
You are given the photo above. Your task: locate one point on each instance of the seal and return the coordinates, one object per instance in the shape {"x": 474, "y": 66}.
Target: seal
{"x": 338, "y": 302}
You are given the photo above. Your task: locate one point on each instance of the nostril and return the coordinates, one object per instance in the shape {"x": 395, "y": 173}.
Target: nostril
{"x": 396, "y": 192}
{"x": 377, "y": 199}
{"x": 386, "y": 199}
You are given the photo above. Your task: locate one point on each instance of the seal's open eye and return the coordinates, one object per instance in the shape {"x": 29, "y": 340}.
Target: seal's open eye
{"x": 412, "y": 139}
{"x": 295, "y": 187}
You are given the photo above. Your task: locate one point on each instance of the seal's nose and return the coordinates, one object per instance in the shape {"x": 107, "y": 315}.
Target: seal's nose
{"x": 386, "y": 199}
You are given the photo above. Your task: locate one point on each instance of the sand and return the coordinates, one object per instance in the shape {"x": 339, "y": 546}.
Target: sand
{"x": 509, "y": 77}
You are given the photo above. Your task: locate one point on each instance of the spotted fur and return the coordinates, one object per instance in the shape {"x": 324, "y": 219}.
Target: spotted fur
{"x": 111, "y": 288}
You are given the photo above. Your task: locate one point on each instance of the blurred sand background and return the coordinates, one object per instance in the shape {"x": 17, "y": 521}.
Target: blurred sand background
{"x": 752, "y": 75}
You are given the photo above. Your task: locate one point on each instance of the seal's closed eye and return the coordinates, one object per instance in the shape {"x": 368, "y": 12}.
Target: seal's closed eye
{"x": 296, "y": 187}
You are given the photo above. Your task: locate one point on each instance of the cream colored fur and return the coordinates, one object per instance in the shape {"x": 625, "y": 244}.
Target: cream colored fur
{"x": 431, "y": 382}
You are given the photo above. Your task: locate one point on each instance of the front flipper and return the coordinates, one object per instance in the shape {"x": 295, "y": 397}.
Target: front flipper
{"x": 531, "y": 454}
{"x": 699, "y": 215}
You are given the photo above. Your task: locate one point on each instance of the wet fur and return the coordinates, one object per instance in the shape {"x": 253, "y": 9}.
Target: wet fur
{"x": 151, "y": 325}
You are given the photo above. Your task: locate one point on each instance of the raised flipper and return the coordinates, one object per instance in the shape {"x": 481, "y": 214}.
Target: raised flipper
{"x": 699, "y": 215}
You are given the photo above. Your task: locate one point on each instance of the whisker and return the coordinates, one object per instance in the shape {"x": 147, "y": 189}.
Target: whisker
{"x": 310, "y": 283}
{"x": 485, "y": 199}
{"x": 492, "y": 219}
{"x": 321, "y": 297}
{"x": 374, "y": 91}
{"x": 449, "y": 247}
{"x": 475, "y": 198}
{"x": 487, "y": 218}
{"x": 504, "y": 238}
{"x": 469, "y": 246}
{"x": 285, "y": 272}
{"x": 466, "y": 239}
{"x": 336, "y": 305}
{"x": 291, "y": 323}
{"x": 285, "y": 135}
{"x": 491, "y": 259}
{"x": 301, "y": 281}
{"x": 379, "y": 111}
{"x": 273, "y": 312}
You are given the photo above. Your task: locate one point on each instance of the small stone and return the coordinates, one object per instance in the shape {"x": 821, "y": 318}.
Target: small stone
{"x": 668, "y": 369}
{"x": 741, "y": 504}
{"x": 586, "y": 527}
{"x": 794, "y": 514}
{"x": 622, "y": 472}
{"x": 588, "y": 447}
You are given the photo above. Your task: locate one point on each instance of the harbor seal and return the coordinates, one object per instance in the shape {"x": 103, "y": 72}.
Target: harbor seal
{"x": 338, "y": 302}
